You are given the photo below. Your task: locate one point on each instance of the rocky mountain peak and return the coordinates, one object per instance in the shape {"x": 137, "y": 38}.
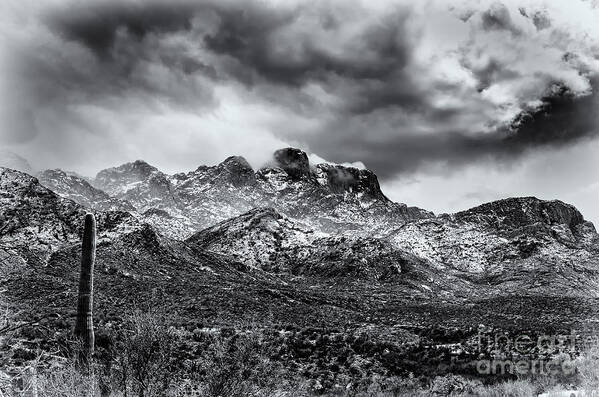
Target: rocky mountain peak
{"x": 333, "y": 178}
{"x": 293, "y": 161}
{"x": 522, "y": 211}
{"x": 119, "y": 180}
{"x": 239, "y": 171}
{"x": 141, "y": 166}
{"x": 342, "y": 179}
{"x": 236, "y": 162}
{"x": 137, "y": 170}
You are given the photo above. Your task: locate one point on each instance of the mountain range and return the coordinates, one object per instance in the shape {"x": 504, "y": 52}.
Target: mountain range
{"x": 309, "y": 242}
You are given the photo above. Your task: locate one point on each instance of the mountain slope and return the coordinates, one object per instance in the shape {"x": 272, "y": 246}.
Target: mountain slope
{"x": 136, "y": 267}
{"x": 511, "y": 246}
{"x": 522, "y": 245}
{"x": 34, "y": 221}
{"x": 293, "y": 218}
{"x": 266, "y": 240}
{"x": 518, "y": 264}
{"x": 329, "y": 197}
{"x": 76, "y": 188}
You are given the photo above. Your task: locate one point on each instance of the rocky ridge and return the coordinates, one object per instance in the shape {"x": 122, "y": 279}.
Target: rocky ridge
{"x": 330, "y": 197}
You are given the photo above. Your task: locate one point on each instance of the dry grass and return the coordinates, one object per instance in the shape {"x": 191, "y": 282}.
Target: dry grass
{"x": 67, "y": 381}
{"x": 588, "y": 369}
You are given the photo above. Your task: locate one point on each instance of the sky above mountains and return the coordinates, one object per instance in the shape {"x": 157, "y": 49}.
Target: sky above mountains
{"x": 451, "y": 103}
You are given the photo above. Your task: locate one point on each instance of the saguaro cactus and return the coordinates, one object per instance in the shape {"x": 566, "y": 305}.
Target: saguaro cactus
{"x": 84, "y": 329}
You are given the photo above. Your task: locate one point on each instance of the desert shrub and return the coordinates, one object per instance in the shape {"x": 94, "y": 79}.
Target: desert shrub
{"x": 48, "y": 376}
{"x": 66, "y": 380}
{"x": 147, "y": 357}
{"x": 240, "y": 364}
{"x": 587, "y": 366}
{"x": 517, "y": 388}
{"x": 393, "y": 386}
{"x": 140, "y": 357}
{"x": 448, "y": 384}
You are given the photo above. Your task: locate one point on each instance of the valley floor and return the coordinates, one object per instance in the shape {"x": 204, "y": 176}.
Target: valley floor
{"x": 322, "y": 335}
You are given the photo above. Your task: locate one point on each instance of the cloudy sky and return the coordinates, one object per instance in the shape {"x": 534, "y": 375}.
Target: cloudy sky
{"x": 451, "y": 103}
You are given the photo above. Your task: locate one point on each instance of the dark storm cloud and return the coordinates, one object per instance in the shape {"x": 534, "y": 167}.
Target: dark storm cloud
{"x": 372, "y": 70}
{"x": 364, "y": 81}
{"x": 103, "y": 55}
{"x": 252, "y": 44}
{"x": 124, "y": 35}
{"x": 96, "y": 25}
{"x": 251, "y": 40}
{"x": 564, "y": 118}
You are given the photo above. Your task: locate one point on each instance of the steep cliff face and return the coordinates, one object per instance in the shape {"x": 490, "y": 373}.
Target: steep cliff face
{"x": 343, "y": 180}
{"x": 294, "y": 162}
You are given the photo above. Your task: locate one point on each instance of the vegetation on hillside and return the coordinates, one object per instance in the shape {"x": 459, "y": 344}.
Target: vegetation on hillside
{"x": 146, "y": 356}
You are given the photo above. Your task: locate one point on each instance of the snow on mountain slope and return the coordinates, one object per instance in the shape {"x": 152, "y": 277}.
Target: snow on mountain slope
{"x": 298, "y": 218}
{"x": 76, "y": 188}
{"x": 328, "y": 197}
{"x": 267, "y": 240}
{"x": 325, "y": 220}
{"x": 139, "y": 183}
{"x": 520, "y": 243}
{"x": 261, "y": 238}
{"x": 34, "y": 221}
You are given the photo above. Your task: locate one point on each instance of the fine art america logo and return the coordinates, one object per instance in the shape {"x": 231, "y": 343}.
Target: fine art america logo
{"x": 526, "y": 355}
